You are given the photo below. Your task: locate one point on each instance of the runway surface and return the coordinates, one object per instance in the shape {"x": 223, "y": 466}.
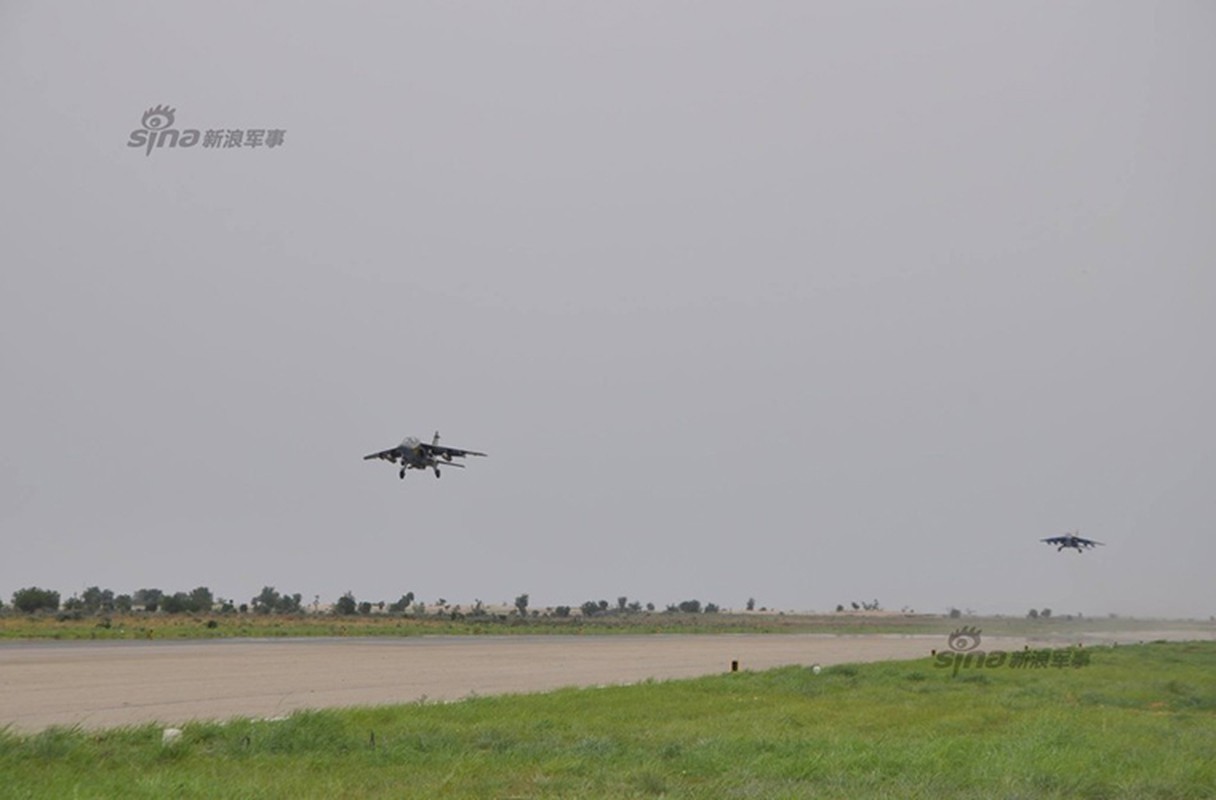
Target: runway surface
{"x": 109, "y": 684}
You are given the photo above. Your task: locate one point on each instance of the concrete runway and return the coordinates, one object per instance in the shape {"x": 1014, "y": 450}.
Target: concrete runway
{"x": 109, "y": 684}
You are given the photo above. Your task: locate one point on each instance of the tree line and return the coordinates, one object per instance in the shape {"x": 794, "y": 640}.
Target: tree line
{"x": 95, "y": 600}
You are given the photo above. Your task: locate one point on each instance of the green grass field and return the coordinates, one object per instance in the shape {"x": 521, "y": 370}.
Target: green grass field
{"x": 1136, "y": 722}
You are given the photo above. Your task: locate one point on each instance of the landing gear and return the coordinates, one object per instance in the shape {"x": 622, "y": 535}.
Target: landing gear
{"x": 437, "y": 473}
{"x": 401, "y": 474}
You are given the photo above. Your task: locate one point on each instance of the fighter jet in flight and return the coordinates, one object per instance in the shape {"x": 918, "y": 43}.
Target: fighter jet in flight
{"x": 413, "y": 454}
{"x": 1070, "y": 539}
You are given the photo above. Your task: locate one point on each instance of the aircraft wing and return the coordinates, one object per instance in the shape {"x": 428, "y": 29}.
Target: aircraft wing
{"x": 392, "y": 454}
{"x": 447, "y": 453}
{"x": 1071, "y": 541}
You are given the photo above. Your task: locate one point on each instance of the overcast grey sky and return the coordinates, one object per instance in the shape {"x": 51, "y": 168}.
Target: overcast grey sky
{"x": 806, "y": 302}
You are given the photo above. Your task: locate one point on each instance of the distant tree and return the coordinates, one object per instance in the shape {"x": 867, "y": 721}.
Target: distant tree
{"x": 1033, "y": 613}
{"x": 839, "y": 607}
{"x": 603, "y": 606}
{"x": 201, "y": 600}
{"x": 148, "y": 598}
{"x": 292, "y": 604}
{"x": 691, "y": 606}
{"x": 97, "y": 600}
{"x": 751, "y": 604}
{"x": 402, "y": 605}
{"x": 34, "y": 599}
{"x": 622, "y": 604}
{"x": 1045, "y": 613}
{"x": 346, "y": 604}
{"x": 650, "y": 606}
{"x": 73, "y": 603}
{"x": 266, "y": 601}
{"x": 123, "y": 603}
{"x": 561, "y": 611}
{"x": 855, "y": 606}
{"x": 635, "y": 607}
{"x": 590, "y": 608}
{"x": 711, "y": 608}
{"x": 176, "y": 603}
{"x": 521, "y": 605}
{"x": 955, "y": 613}
{"x": 365, "y": 608}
